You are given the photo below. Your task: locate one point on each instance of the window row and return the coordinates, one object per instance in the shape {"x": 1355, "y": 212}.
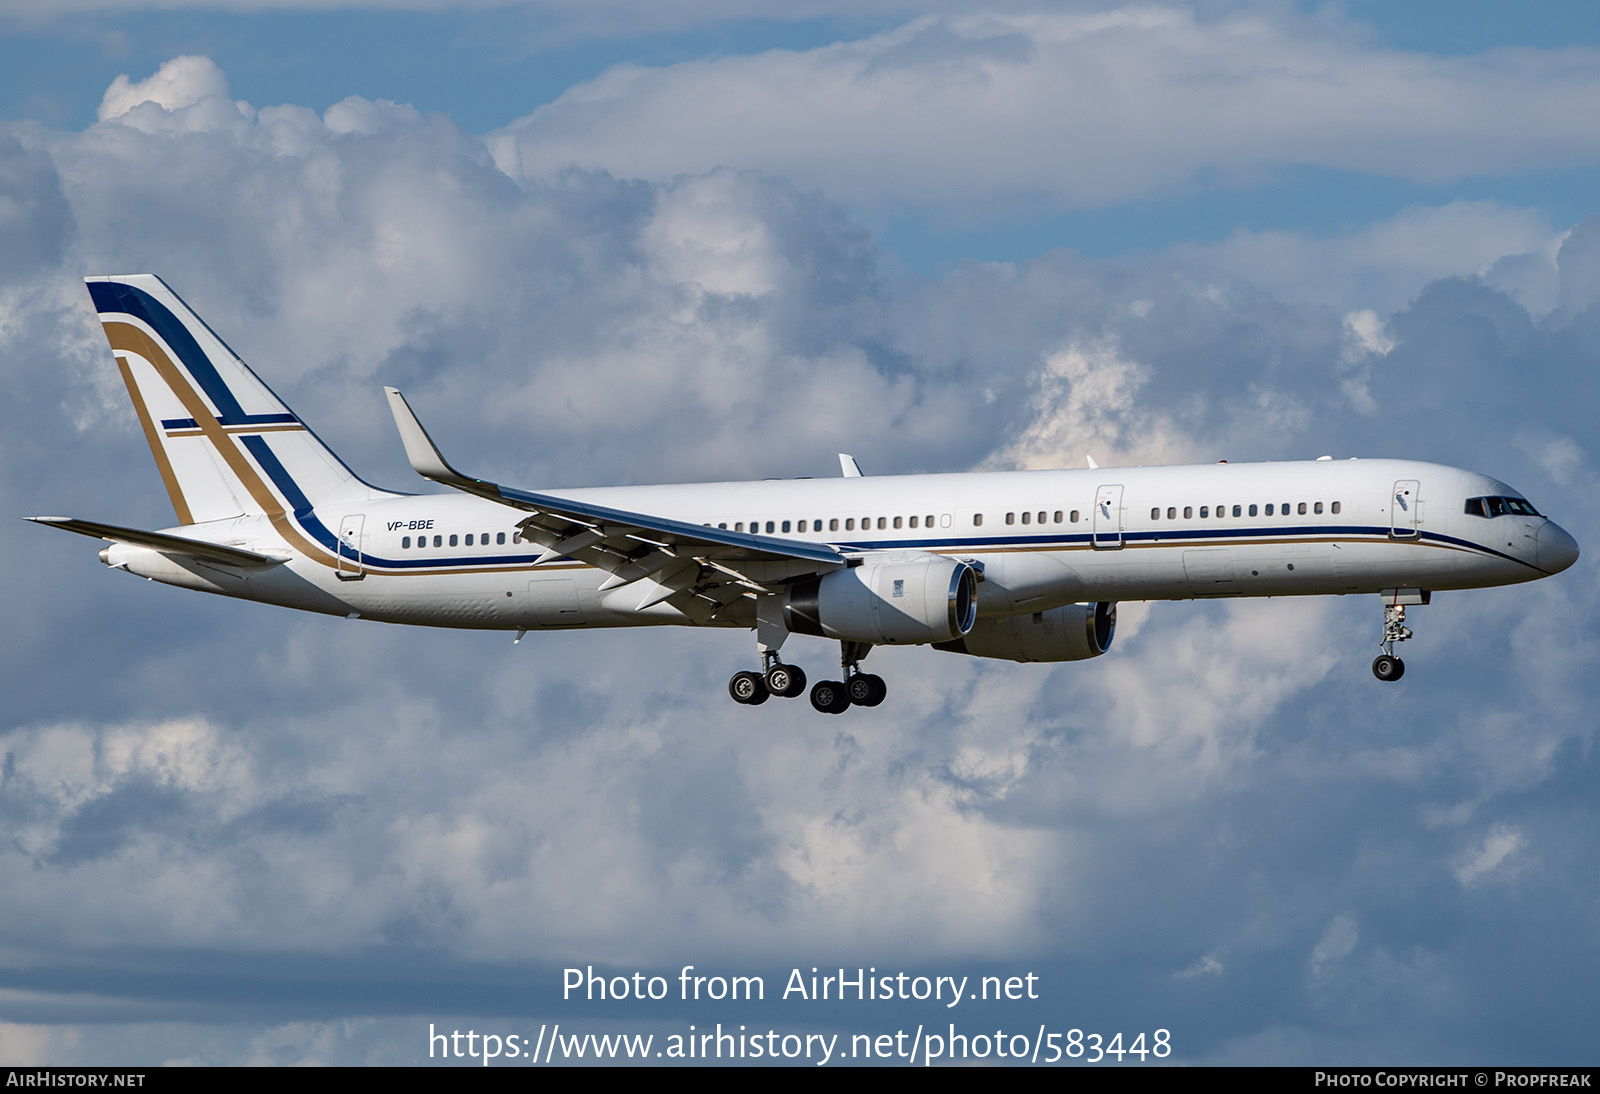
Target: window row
{"x": 1286, "y": 509}
{"x": 439, "y": 541}
{"x": 884, "y": 523}
{"x": 1031, "y": 518}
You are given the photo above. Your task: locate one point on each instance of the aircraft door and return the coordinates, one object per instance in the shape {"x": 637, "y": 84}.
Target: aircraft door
{"x": 1404, "y": 509}
{"x": 1107, "y": 535}
{"x": 349, "y": 566}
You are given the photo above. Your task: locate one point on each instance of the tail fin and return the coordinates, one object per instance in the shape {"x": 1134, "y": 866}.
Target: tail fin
{"x": 225, "y": 444}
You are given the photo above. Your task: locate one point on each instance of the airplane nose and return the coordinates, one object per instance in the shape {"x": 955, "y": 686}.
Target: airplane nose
{"x": 1554, "y": 549}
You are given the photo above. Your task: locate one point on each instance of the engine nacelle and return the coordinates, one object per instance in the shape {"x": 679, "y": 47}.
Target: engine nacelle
{"x": 1074, "y": 632}
{"x": 894, "y": 600}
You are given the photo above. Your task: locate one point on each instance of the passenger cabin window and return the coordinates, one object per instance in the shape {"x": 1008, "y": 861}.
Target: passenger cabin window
{"x": 1011, "y": 518}
{"x": 833, "y": 524}
{"x": 1059, "y": 515}
{"x": 977, "y": 520}
{"x": 1317, "y": 508}
{"x": 897, "y": 522}
{"x": 438, "y": 541}
{"x": 1302, "y": 509}
{"x": 1252, "y": 511}
{"x": 499, "y": 537}
{"x": 1335, "y": 507}
{"x": 1074, "y": 516}
{"x": 1026, "y": 517}
{"x": 1236, "y": 511}
{"x": 1188, "y": 512}
{"x": 405, "y": 541}
{"x": 1205, "y": 511}
{"x": 1155, "y": 514}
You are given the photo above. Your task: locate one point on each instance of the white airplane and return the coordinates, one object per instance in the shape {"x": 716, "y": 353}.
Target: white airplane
{"x": 1023, "y": 566}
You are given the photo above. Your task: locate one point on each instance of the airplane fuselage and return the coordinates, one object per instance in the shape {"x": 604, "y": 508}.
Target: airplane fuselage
{"x": 1043, "y": 539}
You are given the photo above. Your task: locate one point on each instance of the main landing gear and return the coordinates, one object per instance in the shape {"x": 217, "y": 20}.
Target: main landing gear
{"x": 1387, "y": 666}
{"x": 776, "y": 678}
{"x": 858, "y": 688}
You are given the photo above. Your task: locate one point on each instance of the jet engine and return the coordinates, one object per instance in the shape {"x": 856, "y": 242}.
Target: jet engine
{"x": 1073, "y": 632}
{"x": 897, "y": 600}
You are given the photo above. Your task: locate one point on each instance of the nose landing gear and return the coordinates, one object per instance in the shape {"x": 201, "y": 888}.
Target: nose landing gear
{"x": 1387, "y": 666}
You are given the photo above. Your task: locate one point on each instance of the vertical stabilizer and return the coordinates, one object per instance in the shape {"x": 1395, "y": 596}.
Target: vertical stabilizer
{"x": 225, "y": 444}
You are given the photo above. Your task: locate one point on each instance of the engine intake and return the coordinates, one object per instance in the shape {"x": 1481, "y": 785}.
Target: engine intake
{"x": 902, "y": 600}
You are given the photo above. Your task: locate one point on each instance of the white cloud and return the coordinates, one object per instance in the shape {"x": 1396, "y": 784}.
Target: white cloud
{"x": 1338, "y": 942}
{"x": 1071, "y": 110}
{"x": 1499, "y": 845}
{"x": 178, "y": 84}
{"x": 1383, "y": 265}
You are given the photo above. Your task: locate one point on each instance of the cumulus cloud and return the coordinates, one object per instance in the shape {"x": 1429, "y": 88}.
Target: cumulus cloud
{"x": 180, "y": 82}
{"x": 1071, "y": 110}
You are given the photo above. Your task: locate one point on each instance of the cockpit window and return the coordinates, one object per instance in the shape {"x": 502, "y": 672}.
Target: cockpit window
{"x": 1500, "y": 507}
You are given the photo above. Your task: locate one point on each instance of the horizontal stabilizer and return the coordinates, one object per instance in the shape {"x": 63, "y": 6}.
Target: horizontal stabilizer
{"x": 166, "y": 544}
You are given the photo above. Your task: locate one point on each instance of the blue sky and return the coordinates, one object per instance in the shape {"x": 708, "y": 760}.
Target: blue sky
{"x": 722, "y": 246}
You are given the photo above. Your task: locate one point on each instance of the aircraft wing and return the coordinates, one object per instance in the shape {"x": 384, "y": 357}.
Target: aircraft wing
{"x": 162, "y": 542}
{"x": 678, "y": 558}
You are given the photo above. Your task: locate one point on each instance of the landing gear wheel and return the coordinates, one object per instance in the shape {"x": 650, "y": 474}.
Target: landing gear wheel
{"x": 786, "y": 681}
{"x": 1388, "y": 668}
{"x": 830, "y": 697}
{"x": 748, "y": 688}
{"x": 866, "y": 690}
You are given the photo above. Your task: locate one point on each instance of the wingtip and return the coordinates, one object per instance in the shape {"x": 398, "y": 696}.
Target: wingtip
{"x": 423, "y": 455}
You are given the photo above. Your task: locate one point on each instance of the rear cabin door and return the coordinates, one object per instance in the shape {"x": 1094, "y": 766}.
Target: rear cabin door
{"x": 1107, "y": 535}
{"x": 349, "y": 567}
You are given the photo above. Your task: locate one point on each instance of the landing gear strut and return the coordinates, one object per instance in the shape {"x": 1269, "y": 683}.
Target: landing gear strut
{"x": 1387, "y": 667}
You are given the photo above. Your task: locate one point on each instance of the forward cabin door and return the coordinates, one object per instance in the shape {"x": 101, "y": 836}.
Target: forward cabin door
{"x": 1107, "y": 535}
{"x": 349, "y": 566}
{"x": 1404, "y": 509}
